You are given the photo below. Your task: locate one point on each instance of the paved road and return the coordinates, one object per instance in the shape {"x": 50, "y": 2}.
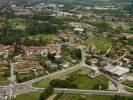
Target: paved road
{"x": 27, "y": 86}
{"x": 107, "y": 51}
{"x": 125, "y": 54}
{"x": 1, "y": 98}
{"x": 83, "y": 91}
{"x": 98, "y": 92}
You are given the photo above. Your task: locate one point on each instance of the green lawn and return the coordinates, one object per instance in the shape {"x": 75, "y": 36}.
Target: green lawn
{"x": 128, "y": 83}
{"x": 28, "y": 96}
{"x": 128, "y": 89}
{"x": 47, "y": 37}
{"x": 84, "y": 97}
{"x": 19, "y": 23}
{"x": 122, "y": 24}
{"x": 35, "y": 96}
{"x": 3, "y": 83}
{"x": 84, "y": 82}
{"x": 102, "y": 44}
{"x": 45, "y": 82}
{"x": 80, "y": 78}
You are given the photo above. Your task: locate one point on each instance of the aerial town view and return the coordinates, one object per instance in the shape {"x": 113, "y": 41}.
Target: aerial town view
{"x": 66, "y": 49}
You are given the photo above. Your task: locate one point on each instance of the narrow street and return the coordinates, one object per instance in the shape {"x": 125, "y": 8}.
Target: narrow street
{"x": 20, "y": 88}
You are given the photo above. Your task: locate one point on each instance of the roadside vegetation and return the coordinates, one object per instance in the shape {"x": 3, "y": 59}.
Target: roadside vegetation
{"x": 76, "y": 80}
{"x": 63, "y": 96}
{"x": 28, "y": 96}
{"x": 128, "y": 83}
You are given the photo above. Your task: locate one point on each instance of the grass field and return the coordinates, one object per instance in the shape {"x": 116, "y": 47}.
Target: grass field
{"x": 128, "y": 89}
{"x": 3, "y": 83}
{"x": 84, "y": 82}
{"x": 80, "y": 78}
{"x": 47, "y": 37}
{"x": 35, "y": 96}
{"x": 45, "y": 82}
{"x": 19, "y": 23}
{"x": 122, "y": 24}
{"x": 84, "y": 97}
{"x": 128, "y": 83}
{"x": 102, "y": 44}
{"x": 28, "y": 96}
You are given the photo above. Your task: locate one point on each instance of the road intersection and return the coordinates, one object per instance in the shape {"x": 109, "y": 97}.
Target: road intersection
{"x": 20, "y": 88}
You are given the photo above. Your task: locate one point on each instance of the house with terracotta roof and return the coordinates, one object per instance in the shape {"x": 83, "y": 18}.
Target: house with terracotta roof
{"x": 4, "y": 51}
{"x": 3, "y": 67}
{"x": 41, "y": 50}
{"x": 24, "y": 65}
{"x": 35, "y": 50}
{"x": 54, "y": 48}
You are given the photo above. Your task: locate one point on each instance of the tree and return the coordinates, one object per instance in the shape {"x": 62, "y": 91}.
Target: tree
{"x": 58, "y": 96}
{"x": 51, "y": 56}
{"x": 46, "y": 93}
{"x": 100, "y": 85}
{"x": 41, "y": 28}
{"x": 76, "y": 53}
{"x": 62, "y": 84}
{"x": 119, "y": 30}
{"x": 7, "y": 28}
{"x": 118, "y": 97}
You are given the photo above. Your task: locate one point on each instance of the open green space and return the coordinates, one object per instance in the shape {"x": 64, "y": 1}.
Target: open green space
{"x": 79, "y": 78}
{"x": 28, "y": 96}
{"x": 128, "y": 83}
{"x": 119, "y": 24}
{"x": 103, "y": 44}
{"x": 3, "y": 81}
{"x": 24, "y": 77}
{"x": 18, "y": 21}
{"x": 45, "y": 37}
{"x": 84, "y": 97}
{"x": 84, "y": 82}
{"x": 35, "y": 96}
{"x": 45, "y": 82}
{"x": 129, "y": 89}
